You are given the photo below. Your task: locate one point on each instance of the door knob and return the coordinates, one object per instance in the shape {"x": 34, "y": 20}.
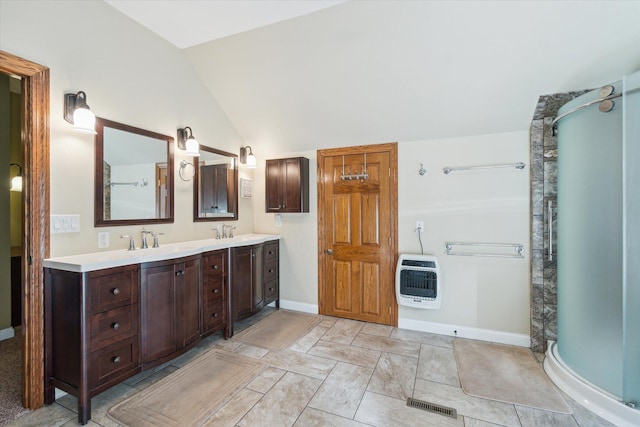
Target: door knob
{"x": 330, "y": 251}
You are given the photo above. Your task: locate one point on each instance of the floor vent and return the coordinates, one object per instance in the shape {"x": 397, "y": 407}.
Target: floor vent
{"x": 432, "y": 407}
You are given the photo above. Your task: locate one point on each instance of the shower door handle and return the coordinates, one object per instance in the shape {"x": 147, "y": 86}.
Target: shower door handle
{"x": 550, "y": 225}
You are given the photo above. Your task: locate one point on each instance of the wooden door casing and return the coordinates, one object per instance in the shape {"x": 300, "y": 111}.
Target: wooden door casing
{"x": 358, "y": 224}
{"x": 35, "y": 204}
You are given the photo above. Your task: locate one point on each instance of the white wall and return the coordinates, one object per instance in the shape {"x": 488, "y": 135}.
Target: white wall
{"x": 479, "y": 206}
{"x": 484, "y": 206}
{"x": 131, "y": 76}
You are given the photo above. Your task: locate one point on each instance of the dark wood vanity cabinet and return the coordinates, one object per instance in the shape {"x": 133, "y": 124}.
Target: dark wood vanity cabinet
{"x": 91, "y": 332}
{"x": 287, "y": 185}
{"x": 270, "y": 275}
{"x": 104, "y": 326}
{"x": 170, "y": 308}
{"x": 254, "y": 279}
{"x": 215, "y": 292}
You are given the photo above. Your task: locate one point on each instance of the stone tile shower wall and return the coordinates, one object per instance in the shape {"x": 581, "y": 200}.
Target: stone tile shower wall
{"x": 544, "y": 184}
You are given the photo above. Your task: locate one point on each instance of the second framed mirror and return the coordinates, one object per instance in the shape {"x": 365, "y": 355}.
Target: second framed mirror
{"x": 215, "y": 185}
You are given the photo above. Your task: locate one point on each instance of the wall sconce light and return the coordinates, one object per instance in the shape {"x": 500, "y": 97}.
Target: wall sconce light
{"x": 78, "y": 113}
{"x": 247, "y": 158}
{"x": 16, "y": 181}
{"x": 187, "y": 142}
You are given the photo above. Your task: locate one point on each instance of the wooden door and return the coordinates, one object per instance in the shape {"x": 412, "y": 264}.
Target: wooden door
{"x": 357, "y": 233}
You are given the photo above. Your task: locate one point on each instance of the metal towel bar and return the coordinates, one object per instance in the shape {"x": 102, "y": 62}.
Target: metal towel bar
{"x": 519, "y": 248}
{"x": 448, "y": 169}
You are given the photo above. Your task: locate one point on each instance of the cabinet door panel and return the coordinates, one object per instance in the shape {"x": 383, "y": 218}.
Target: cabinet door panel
{"x": 274, "y": 178}
{"x": 188, "y": 293}
{"x": 241, "y": 276}
{"x": 158, "y": 314}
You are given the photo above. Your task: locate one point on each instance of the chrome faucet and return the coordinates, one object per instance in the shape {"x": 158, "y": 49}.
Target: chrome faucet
{"x": 144, "y": 234}
{"x": 132, "y": 244}
{"x": 156, "y": 243}
{"x": 224, "y": 231}
{"x": 217, "y": 230}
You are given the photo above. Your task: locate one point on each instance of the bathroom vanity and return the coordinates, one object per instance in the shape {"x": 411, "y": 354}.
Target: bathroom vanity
{"x": 111, "y": 315}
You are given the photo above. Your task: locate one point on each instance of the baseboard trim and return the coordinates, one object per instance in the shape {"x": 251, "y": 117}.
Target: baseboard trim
{"x": 299, "y": 306}
{"x": 7, "y": 333}
{"x": 489, "y": 335}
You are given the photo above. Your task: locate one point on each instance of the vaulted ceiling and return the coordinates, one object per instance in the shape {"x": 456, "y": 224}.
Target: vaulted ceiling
{"x": 363, "y": 72}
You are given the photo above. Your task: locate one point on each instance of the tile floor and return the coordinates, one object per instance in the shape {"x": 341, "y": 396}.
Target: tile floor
{"x": 342, "y": 373}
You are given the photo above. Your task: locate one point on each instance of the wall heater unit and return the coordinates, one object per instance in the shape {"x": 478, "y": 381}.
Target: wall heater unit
{"x": 418, "y": 281}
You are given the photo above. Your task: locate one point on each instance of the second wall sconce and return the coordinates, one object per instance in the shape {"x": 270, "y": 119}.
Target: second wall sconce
{"x": 187, "y": 142}
{"x": 78, "y": 113}
{"x": 16, "y": 181}
{"x": 247, "y": 158}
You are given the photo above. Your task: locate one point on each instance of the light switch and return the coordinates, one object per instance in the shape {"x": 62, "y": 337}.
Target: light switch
{"x": 65, "y": 223}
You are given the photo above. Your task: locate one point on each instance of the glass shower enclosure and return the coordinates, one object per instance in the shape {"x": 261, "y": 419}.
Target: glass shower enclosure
{"x": 598, "y": 241}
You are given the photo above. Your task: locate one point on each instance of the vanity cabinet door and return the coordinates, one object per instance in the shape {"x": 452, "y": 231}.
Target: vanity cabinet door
{"x": 158, "y": 311}
{"x": 241, "y": 282}
{"x": 170, "y": 307}
{"x": 247, "y": 296}
{"x": 188, "y": 302}
{"x": 287, "y": 185}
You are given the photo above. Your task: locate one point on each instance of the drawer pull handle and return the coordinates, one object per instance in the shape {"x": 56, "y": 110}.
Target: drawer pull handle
{"x": 271, "y": 270}
{"x": 180, "y": 273}
{"x": 214, "y": 315}
{"x": 271, "y": 289}
{"x": 115, "y": 325}
{"x": 270, "y": 252}
{"x": 215, "y": 291}
{"x": 215, "y": 267}
{"x": 115, "y": 291}
{"x": 116, "y": 359}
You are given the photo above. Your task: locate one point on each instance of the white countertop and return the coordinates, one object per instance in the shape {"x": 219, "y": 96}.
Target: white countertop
{"x": 101, "y": 260}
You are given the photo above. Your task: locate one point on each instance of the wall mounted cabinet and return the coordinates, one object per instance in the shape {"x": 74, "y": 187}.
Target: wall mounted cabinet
{"x": 287, "y": 185}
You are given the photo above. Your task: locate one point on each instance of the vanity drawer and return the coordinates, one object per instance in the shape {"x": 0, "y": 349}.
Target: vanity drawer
{"x": 270, "y": 271}
{"x": 113, "y": 288}
{"x": 213, "y": 290}
{"x": 114, "y": 325}
{"x": 270, "y": 291}
{"x": 214, "y": 264}
{"x": 114, "y": 360}
{"x": 214, "y": 315}
{"x": 271, "y": 252}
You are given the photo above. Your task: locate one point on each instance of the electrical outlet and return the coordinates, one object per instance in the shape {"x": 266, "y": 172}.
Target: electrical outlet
{"x": 420, "y": 226}
{"x": 103, "y": 239}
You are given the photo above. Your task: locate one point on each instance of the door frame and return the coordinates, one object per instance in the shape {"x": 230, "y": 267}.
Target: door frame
{"x": 35, "y": 204}
{"x": 392, "y": 149}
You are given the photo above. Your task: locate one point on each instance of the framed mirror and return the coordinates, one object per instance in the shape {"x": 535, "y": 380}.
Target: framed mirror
{"x": 133, "y": 175}
{"x": 215, "y": 185}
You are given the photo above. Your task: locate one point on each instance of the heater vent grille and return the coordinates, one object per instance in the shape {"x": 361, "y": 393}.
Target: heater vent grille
{"x": 432, "y": 407}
